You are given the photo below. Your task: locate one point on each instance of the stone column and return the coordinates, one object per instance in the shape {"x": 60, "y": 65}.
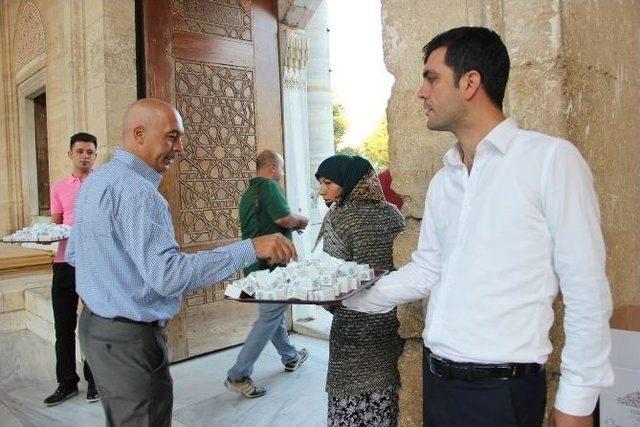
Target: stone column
{"x": 320, "y": 110}
{"x": 294, "y": 56}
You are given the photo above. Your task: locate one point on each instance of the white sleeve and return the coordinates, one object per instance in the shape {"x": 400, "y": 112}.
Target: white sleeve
{"x": 573, "y": 217}
{"x": 414, "y": 280}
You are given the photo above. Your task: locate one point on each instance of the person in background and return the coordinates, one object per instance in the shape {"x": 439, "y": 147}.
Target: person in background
{"x": 130, "y": 271}
{"x": 82, "y": 153}
{"x": 390, "y": 196}
{"x": 362, "y": 377}
{"x": 264, "y": 210}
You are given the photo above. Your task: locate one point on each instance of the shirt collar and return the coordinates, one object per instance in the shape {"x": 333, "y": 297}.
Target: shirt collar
{"x": 74, "y": 178}
{"x": 138, "y": 165}
{"x": 500, "y": 137}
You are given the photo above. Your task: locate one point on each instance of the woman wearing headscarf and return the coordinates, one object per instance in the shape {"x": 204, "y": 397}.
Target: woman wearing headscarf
{"x": 360, "y": 226}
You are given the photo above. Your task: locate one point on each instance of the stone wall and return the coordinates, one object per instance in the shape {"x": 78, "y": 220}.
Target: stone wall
{"x": 572, "y": 76}
{"x": 83, "y": 55}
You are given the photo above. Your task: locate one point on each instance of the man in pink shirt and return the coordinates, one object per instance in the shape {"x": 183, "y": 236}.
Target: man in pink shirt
{"x": 82, "y": 152}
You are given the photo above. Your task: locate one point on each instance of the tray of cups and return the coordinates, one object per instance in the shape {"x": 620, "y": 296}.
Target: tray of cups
{"x": 322, "y": 280}
{"x": 322, "y": 298}
{"x": 39, "y": 233}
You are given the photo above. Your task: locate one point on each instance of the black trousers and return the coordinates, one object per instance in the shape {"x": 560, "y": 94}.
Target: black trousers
{"x": 518, "y": 402}
{"x": 65, "y": 315}
{"x": 131, "y": 365}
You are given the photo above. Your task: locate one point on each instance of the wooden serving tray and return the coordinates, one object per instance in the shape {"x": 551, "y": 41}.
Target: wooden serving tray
{"x": 378, "y": 273}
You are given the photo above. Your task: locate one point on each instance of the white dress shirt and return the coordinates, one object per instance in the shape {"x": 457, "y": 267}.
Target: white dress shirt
{"x": 495, "y": 246}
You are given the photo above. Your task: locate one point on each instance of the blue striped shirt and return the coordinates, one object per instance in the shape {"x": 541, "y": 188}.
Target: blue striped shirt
{"x": 122, "y": 244}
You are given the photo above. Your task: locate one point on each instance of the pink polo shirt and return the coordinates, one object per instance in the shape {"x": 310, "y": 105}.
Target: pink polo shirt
{"x": 63, "y": 197}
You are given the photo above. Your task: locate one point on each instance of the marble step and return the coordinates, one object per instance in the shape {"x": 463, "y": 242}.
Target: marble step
{"x": 12, "y": 321}
{"x": 38, "y": 317}
{"x": 13, "y": 287}
{"x": 40, "y": 327}
{"x": 37, "y": 301}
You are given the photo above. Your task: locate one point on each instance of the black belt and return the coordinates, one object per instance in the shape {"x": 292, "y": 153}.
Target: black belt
{"x": 161, "y": 323}
{"x": 445, "y": 368}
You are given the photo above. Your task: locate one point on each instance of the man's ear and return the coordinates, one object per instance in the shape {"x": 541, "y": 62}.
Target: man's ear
{"x": 69, "y": 153}
{"x": 138, "y": 134}
{"x": 470, "y": 83}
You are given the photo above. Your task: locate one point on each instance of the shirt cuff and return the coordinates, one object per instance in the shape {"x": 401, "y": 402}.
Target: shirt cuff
{"x": 360, "y": 303}
{"x": 242, "y": 253}
{"x": 576, "y": 400}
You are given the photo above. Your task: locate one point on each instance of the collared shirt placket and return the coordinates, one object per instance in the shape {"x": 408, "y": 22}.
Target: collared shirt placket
{"x": 469, "y": 182}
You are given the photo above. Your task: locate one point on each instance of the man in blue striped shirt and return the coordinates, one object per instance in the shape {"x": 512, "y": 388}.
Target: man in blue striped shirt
{"x": 130, "y": 272}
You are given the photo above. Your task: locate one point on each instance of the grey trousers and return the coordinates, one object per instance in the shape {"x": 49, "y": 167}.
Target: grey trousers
{"x": 130, "y": 364}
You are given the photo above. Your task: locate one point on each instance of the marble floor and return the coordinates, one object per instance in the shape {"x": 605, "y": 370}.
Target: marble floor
{"x": 27, "y": 376}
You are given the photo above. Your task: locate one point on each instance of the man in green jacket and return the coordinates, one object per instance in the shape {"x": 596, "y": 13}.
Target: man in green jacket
{"x": 264, "y": 210}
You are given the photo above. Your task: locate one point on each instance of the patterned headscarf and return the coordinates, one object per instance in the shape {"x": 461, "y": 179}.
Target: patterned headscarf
{"x": 355, "y": 175}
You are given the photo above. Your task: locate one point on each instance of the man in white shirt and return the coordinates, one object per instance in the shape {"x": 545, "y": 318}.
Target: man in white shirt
{"x": 511, "y": 219}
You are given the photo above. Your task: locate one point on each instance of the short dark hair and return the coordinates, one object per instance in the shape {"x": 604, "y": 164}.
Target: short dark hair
{"x": 84, "y": 137}
{"x": 475, "y": 48}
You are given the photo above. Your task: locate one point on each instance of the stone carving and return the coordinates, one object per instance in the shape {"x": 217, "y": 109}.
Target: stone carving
{"x": 226, "y": 18}
{"x": 295, "y": 58}
{"x": 29, "y": 38}
{"x": 218, "y": 108}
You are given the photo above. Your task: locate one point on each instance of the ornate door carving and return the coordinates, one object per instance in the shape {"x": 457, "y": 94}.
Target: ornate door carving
{"x": 217, "y": 62}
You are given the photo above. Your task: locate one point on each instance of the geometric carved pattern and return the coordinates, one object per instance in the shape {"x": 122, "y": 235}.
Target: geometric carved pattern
{"x": 209, "y": 295}
{"x": 29, "y": 42}
{"x": 226, "y": 18}
{"x": 218, "y": 108}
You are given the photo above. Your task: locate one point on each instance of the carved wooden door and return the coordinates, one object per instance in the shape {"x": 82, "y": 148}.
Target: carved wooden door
{"x": 217, "y": 62}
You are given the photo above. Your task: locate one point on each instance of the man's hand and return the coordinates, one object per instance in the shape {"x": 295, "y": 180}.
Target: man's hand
{"x": 293, "y": 221}
{"x": 274, "y": 249}
{"x": 302, "y": 223}
{"x": 560, "y": 419}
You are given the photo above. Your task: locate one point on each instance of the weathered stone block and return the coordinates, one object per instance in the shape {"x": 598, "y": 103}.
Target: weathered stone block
{"x": 118, "y": 98}
{"x": 411, "y": 318}
{"x": 532, "y": 31}
{"x": 120, "y": 47}
{"x": 602, "y": 35}
{"x": 410, "y": 366}
{"x": 535, "y": 98}
{"x": 406, "y": 242}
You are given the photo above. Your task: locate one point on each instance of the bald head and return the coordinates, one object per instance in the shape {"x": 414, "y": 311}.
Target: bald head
{"x": 152, "y": 129}
{"x": 269, "y": 164}
{"x": 146, "y": 112}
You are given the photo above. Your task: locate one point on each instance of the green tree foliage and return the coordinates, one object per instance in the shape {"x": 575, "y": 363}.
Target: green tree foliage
{"x": 349, "y": 151}
{"x": 340, "y": 124}
{"x": 376, "y": 146}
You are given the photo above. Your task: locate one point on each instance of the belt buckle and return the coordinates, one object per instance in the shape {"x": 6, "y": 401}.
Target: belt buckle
{"x": 434, "y": 371}
{"x": 511, "y": 372}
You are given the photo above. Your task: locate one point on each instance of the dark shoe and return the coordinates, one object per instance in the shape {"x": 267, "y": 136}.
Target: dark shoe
{"x": 302, "y": 356}
{"x": 61, "y": 394}
{"x": 245, "y": 387}
{"x": 92, "y": 393}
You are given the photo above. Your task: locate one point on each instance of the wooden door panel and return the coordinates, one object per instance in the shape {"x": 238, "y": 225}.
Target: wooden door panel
{"x": 217, "y": 62}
